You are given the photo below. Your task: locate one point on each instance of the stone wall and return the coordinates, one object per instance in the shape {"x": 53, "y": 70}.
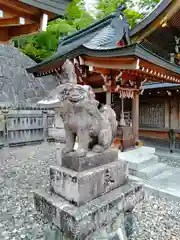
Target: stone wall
{"x": 17, "y": 87}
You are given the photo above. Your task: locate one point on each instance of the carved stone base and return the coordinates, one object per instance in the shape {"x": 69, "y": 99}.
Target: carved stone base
{"x": 103, "y": 216}
{"x": 54, "y": 233}
{"x": 81, "y": 187}
{"x": 114, "y": 231}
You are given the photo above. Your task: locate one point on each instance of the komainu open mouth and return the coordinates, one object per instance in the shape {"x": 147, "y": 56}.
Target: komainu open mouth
{"x": 76, "y": 99}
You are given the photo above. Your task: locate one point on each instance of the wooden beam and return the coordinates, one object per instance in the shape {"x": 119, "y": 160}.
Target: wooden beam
{"x": 7, "y": 33}
{"x": 156, "y": 69}
{"x": 17, "y": 5}
{"x": 20, "y": 13}
{"x": 23, "y": 30}
{"x": 111, "y": 63}
{"x": 4, "y": 36}
{"x": 9, "y": 21}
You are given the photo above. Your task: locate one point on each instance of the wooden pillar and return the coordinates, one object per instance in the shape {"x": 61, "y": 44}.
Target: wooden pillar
{"x": 174, "y": 113}
{"x": 108, "y": 98}
{"x": 44, "y": 22}
{"x": 135, "y": 115}
{"x": 167, "y": 113}
{"x": 173, "y": 122}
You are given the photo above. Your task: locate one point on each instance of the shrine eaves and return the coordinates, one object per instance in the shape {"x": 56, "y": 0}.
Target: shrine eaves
{"x": 21, "y": 17}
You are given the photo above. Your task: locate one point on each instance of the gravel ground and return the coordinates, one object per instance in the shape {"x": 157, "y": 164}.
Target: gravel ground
{"x": 171, "y": 161}
{"x": 21, "y": 171}
{"x": 156, "y": 219}
{"x": 24, "y": 169}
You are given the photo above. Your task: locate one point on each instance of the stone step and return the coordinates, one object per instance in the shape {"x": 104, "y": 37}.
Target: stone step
{"x": 170, "y": 171}
{"x": 137, "y": 164}
{"x": 139, "y": 158}
{"x": 150, "y": 171}
{"x": 147, "y": 163}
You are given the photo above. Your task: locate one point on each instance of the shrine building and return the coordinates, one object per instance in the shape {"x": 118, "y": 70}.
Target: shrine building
{"x": 136, "y": 70}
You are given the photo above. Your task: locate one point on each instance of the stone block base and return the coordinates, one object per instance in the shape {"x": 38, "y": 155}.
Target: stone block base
{"x": 91, "y": 160}
{"x": 102, "y": 217}
{"x": 81, "y": 187}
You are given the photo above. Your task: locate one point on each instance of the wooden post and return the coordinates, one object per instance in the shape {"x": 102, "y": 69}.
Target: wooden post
{"x": 135, "y": 115}
{"x": 173, "y": 122}
{"x": 167, "y": 113}
{"x": 174, "y": 112}
{"x": 45, "y": 124}
{"x": 44, "y": 22}
{"x": 108, "y": 98}
{"x": 6, "y": 142}
{"x": 122, "y": 120}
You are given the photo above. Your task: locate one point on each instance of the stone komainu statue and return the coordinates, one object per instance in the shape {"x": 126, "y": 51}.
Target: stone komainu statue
{"x": 93, "y": 127}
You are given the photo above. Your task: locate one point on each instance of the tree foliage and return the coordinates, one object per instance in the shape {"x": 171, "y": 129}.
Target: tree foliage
{"x": 44, "y": 44}
{"x": 147, "y": 6}
{"x": 135, "y": 9}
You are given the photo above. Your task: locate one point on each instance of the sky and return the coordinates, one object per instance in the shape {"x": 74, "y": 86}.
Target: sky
{"x": 91, "y": 5}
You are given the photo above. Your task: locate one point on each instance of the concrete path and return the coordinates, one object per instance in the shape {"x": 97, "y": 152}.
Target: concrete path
{"x": 158, "y": 170}
{"x": 164, "y": 152}
{"x": 166, "y": 184}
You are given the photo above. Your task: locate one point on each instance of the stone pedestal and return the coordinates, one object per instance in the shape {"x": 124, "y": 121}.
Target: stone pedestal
{"x": 89, "y": 197}
{"x": 81, "y": 187}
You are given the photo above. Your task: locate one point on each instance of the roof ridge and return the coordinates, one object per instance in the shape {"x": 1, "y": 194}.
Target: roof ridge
{"x": 97, "y": 24}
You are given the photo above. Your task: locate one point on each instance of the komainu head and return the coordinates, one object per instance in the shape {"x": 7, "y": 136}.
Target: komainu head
{"x": 70, "y": 92}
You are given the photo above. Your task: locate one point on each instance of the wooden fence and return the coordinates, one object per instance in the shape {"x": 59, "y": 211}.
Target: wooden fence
{"x": 18, "y": 127}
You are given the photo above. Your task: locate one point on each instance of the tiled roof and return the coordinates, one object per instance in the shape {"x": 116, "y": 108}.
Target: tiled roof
{"x": 102, "y": 35}
{"x": 100, "y": 39}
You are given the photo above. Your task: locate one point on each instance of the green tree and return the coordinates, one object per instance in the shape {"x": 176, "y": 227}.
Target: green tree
{"x": 135, "y": 9}
{"x": 143, "y": 6}
{"x": 148, "y": 5}
{"x": 77, "y": 16}
{"x": 44, "y": 44}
